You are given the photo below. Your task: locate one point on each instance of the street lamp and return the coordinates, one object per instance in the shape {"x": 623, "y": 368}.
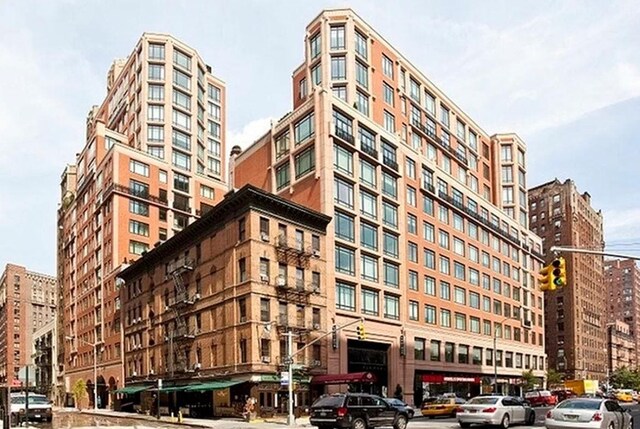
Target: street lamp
{"x": 95, "y": 367}
{"x": 495, "y": 352}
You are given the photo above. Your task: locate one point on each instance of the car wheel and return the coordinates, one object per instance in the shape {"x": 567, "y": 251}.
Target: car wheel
{"x": 532, "y": 418}
{"x": 465, "y": 425}
{"x": 505, "y": 422}
{"x": 611, "y": 426}
{"x": 401, "y": 423}
{"x": 358, "y": 424}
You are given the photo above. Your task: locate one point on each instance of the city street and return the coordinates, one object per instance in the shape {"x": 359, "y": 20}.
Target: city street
{"x": 72, "y": 419}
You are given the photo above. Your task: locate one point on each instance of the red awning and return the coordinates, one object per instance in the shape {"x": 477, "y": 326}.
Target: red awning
{"x": 354, "y": 377}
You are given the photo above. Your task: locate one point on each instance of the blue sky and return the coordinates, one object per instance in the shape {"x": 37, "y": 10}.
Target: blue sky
{"x": 564, "y": 75}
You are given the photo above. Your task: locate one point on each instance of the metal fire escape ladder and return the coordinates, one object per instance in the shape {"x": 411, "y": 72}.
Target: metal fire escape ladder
{"x": 182, "y": 300}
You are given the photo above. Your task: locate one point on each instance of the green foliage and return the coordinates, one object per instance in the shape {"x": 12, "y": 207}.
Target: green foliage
{"x": 624, "y": 378}
{"x": 529, "y": 381}
{"x": 79, "y": 392}
{"x": 553, "y": 377}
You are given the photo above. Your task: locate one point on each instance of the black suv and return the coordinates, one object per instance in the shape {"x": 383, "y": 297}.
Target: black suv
{"x": 356, "y": 411}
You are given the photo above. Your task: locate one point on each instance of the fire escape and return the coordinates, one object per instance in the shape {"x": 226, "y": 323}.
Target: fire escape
{"x": 180, "y": 338}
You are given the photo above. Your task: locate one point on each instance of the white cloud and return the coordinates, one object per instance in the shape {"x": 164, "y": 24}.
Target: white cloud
{"x": 249, "y": 133}
{"x": 622, "y": 225}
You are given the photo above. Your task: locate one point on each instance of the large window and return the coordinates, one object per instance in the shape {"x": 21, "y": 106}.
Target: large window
{"x": 181, "y": 59}
{"x": 345, "y": 260}
{"x": 345, "y": 296}
{"x": 138, "y": 208}
{"x": 368, "y": 174}
{"x": 137, "y": 248}
{"x": 368, "y": 236}
{"x": 389, "y": 214}
{"x": 390, "y": 245}
{"x": 282, "y": 176}
{"x": 338, "y": 68}
{"x": 181, "y": 79}
{"x": 181, "y": 120}
{"x": 362, "y": 74}
{"x": 138, "y": 167}
{"x": 369, "y": 268}
{"x": 368, "y": 205}
{"x": 156, "y": 72}
{"x": 345, "y": 228}
{"x": 435, "y": 351}
{"x": 337, "y": 37}
{"x": 304, "y": 128}
{"x": 343, "y": 193}
{"x": 156, "y": 92}
{"x": 181, "y": 160}
{"x": 139, "y": 228}
{"x": 361, "y": 44}
{"x": 181, "y": 140}
{"x": 391, "y": 274}
{"x": 389, "y": 185}
{"x": 430, "y": 314}
{"x": 156, "y": 51}
{"x": 387, "y": 66}
{"x": 155, "y": 113}
{"x": 305, "y": 162}
{"x": 181, "y": 99}
{"x": 429, "y": 286}
{"x": 369, "y": 300}
{"x": 315, "y": 45}
{"x": 391, "y": 307}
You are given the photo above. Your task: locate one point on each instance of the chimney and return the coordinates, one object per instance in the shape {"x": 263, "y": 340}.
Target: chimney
{"x": 235, "y": 151}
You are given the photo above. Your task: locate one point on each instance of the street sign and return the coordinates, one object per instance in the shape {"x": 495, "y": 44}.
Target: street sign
{"x": 284, "y": 378}
{"x": 159, "y": 384}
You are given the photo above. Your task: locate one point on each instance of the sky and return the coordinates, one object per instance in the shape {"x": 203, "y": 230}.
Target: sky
{"x": 564, "y": 75}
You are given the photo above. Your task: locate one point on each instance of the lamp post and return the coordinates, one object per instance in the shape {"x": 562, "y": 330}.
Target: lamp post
{"x": 495, "y": 353}
{"x": 95, "y": 367}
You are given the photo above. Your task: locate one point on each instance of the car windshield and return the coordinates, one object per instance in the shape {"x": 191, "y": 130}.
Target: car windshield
{"x": 580, "y": 405}
{"x": 329, "y": 401}
{"x": 443, "y": 401}
{"x": 32, "y": 400}
{"x": 396, "y": 402}
{"x": 483, "y": 400}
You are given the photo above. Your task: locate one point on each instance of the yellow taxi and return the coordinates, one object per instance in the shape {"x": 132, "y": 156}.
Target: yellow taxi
{"x": 624, "y": 395}
{"x": 442, "y": 407}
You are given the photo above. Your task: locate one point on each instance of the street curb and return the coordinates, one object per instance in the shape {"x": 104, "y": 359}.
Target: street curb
{"x": 136, "y": 416}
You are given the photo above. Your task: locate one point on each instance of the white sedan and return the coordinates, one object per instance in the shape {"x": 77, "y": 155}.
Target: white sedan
{"x": 495, "y": 410}
{"x": 588, "y": 413}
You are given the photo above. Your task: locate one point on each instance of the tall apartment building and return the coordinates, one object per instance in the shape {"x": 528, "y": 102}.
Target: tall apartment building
{"x": 622, "y": 279}
{"x": 422, "y": 245}
{"x": 27, "y": 302}
{"x": 208, "y": 310}
{"x": 576, "y": 315}
{"x": 43, "y": 350}
{"x": 150, "y": 165}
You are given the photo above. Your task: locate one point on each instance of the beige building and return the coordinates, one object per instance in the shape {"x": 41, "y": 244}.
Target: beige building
{"x": 151, "y": 164}
{"x": 44, "y": 352}
{"x": 207, "y": 311}
{"x": 621, "y": 346}
{"x": 576, "y": 315}
{"x": 27, "y": 303}
{"x": 424, "y": 243}
{"x": 622, "y": 278}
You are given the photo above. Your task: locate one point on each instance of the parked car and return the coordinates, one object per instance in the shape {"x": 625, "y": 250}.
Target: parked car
{"x": 39, "y": 407}
{"x": 402, "y": 406}
{"x": 563, "y": 394}
{"x": 356, "y": 411}
{"x": 495, "y": 410}
{"x": 443, "y": 407}
{"x": 588, "y": 413}
{"x": 541, "y": 398}
{"x": 624, "y": 395}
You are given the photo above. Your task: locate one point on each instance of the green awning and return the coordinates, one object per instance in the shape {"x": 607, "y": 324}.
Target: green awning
{"x": 269, "y": 378}
{"x": 212, "y": 385}
{"x": 129, "y": 390}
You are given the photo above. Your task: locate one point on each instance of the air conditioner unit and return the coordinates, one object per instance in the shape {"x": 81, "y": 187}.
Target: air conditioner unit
{"x": 151, "y": 372}
{"x": 197, "y": 365}
{"x": 316, "y": 253}
{"x": 197, "y": 296}
{"x": 526, "y": 323}
{"x": 266, "y": 359}
{"x": 317, "y": 363}
{"x": 316, "y": 326}
{"x": 280, "y": 281}
{"x": 139, "y": 319}
{"x": 264, "y": 236}
{"x": 134, "y": 374}
{"x": 264, "y": 278}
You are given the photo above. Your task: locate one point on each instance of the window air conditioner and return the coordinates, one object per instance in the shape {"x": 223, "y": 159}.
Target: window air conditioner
{"x": 266, "y": 359}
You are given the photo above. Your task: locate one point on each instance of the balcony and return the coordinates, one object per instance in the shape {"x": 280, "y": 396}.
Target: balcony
{"x": 181, "y": 207}
{"x": 390, "y": 162}
{"x": 369, "y": 150}
{"x": 293, "y": 247}
{"x": 344, "y": 135}
{"x": 428, "y": 187}
{"x": 137, "y": 193}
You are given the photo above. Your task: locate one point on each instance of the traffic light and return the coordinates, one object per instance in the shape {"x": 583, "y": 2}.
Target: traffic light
{"x": 545, "y": 279}
{"x": 362, "y": 335}
{"x": 558, "y": 272}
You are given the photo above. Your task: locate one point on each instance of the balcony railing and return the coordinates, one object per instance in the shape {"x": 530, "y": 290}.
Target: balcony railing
{"x": 344, "y": 135}
{"x": 136, "y": 193}
{"x": 390, "y": 162}
{"x": 369, "y": 150}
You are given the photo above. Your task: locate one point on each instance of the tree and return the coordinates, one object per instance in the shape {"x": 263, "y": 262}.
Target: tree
{"x": 529, "y": 381}
{"x": 79, "y": 391}
{"x": 624, "y": 378}
{"x": 553, "y": 377}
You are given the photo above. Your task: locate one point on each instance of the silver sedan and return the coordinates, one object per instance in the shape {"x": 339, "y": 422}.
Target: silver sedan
{"x": 588, "y": 413}
{"x": 495, "y": 410}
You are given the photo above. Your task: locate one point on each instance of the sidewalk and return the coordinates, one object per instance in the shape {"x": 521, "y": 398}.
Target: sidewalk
{"x": 221, "y": 423}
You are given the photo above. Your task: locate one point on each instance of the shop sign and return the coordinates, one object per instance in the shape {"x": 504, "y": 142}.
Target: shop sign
{"x": 435, "y": 378}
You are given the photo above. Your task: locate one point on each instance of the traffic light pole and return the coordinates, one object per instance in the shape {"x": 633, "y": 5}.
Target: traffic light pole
{"x": 291, "y": 354}
{"x": 560, "y": 249}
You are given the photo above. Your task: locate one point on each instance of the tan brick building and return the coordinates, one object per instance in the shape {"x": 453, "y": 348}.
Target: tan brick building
{"x": 622, "y": 278}
{"x": 576, "y": 315}
{"x": 27, "y": 303}
{"x": 151, "y": 164}
{"x": 423, "y": 245}
{"x": 206, "y": 310}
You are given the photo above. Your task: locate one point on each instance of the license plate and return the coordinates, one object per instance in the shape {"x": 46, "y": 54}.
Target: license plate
{"x": 38, "y": 416}
{"x": 473, "y": 411}
{"x": 571, "y": 417}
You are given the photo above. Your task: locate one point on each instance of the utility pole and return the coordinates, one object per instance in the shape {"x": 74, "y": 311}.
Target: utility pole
{"x": 291, "y": 418}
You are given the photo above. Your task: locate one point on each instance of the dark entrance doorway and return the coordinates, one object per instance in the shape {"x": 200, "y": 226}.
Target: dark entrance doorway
{"x": 368, "y": 356}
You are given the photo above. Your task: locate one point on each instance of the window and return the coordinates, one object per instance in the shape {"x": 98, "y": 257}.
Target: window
{"x": 181, "y": 140}
{"x": 389, "y": 214}
{"x": 338, "y": 68}
{"x": 362, "y": 75}
{"x": 303, "y": 88}
{"x": 137, "y": 248}
{"x": 391, "y": 274}
{"x": 445, "y": 291}
{"x": 337, "y": 37}
{"x": 445, "y": 265}
{"x": 282, "y": 176}
{"x": 449, "y": 350}
{"x": 345, "y": 296}
{"x": 414, "y": 91}
{"x": 430, "y": 314}
{"x": 368, "y": 236}
{"x": 390, "y": 245}
{"x": 413, "y": 280}
{"x": 155, "y": 113}
{"x": 315, "y": 45}
{"x": 474, "y": 300}
{"x": 181, "y": 160}
{"x": 316, "y": 74}
{"x": 182, "y": 100}
{"x": 305, "y": 162}
{"x": 429, "y": 258}
{"x": 206, "y": 192}
{"x": 156, "y": 51}
{"x": 362, "y": 102}
{"x": 181, "y": 120}
{"x": 138, "y": 208}
{"x": 428, "y": 232}
{"x": 345, "y": 260}
{"x": 340, "y": 92}
{"x": 413, "y": 310}
{"x": 155, "y": 133}
{"x": 387, "y": 66}
{"x": 435, "y": 351}
{"x": 444, "y": 116}
{"x": 389, "y": 122}
{"x": 215, "y": 111}
{"x": 345, "y": 228}
{"x": 369, "y": 268}
{"x": 138, "y": 228}
{"x": 343, "y": 193}
{"x": 459, "y": 271}
{"x": 411, "y": 196}
{"x": 156, "y": 92}
{"x": 387, "y": 94}
{"x": 156, "y": 72}
{"x": 304, "y": 128}
{"x": 181, "y": 79}
{"x": 429, "y": 285}
{"x": 389, "y": 185}
{"x": 138, "y": 167}
{"x": 391, "y": 307}
{"x": 368, "y": 205}
{"x": 460, "y": 295}
{"x": 369, "y": 300}
{"x": 412, "y": 252}
{"x": 368, "y": 173}
{"x": 461, "y": 322}
{"x": 181, "y": 59}
{"x": 361, "y": 44}
{"x": 443, "y": 239}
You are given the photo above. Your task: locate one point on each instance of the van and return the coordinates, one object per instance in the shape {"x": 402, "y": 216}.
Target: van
{"x": 541, "y": 398}
{"x": 39, "y": 407}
